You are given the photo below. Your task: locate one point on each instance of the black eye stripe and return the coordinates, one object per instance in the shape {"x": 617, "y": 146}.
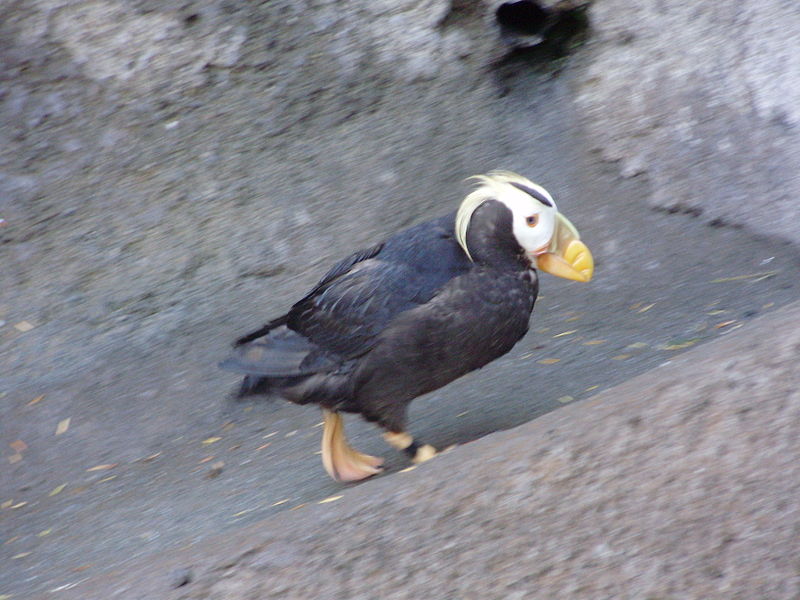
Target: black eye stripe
{"x": 531, "y": 192}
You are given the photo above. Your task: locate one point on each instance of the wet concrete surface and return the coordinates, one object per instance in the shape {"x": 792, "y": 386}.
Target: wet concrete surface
{"x": 156, "y": 455}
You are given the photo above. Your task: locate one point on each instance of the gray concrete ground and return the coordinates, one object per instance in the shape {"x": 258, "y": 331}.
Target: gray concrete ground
{"x": 680, "y": 483}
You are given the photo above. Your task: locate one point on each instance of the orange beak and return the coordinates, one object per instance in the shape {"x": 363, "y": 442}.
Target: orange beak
{"x": 566, "y": 256}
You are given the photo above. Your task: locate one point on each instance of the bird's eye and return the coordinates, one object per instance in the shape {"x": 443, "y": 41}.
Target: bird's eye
{"x": 532, "y": 220}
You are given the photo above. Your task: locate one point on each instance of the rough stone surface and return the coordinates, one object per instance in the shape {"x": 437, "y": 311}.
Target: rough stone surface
{"x": 681, "y": 483}
{"x": 172, "y": 174}
{"x": 140, "y": 142}
{"x": 703, "y": 98}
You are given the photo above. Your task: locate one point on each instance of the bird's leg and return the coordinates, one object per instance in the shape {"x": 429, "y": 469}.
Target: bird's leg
{"x": 340, "y": 460}
{"x": 403, "y": 441}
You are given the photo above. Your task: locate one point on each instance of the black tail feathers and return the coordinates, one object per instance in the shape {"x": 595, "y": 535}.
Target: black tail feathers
{"x": 254, "y": 335}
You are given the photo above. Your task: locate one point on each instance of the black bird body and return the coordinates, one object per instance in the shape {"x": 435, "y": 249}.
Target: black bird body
{"x": 392, "y": 322}
{"x": 409, "y": 315}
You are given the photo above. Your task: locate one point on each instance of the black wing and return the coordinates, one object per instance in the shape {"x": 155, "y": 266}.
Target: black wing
{"x": 345, "y": 315}
{"x": 345, "y": 312}
{"x": 338, "y": 269}
{"x": 352, "y": 305}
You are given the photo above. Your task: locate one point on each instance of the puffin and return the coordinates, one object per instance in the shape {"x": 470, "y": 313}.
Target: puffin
{"x": 412, "y": 313}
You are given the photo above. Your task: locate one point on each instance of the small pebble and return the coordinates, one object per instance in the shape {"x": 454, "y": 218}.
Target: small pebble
{"x": 180, "y": 577}
{"x": 216, "y": 469}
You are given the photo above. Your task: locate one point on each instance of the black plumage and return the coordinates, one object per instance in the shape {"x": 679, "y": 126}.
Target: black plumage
{"x": 395, "y": 321}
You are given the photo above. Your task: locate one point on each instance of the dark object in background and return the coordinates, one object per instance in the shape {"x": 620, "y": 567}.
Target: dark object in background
{"x": 522, "y": 18}
{"x": 526, "y": 23}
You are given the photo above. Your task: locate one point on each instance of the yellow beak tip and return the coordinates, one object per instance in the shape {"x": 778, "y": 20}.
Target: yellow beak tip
{"x": 575, "y": 262}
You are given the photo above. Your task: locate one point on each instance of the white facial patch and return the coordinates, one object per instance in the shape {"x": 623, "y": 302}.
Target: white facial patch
{"x": 536, "y": 237}
{"x": 533, "y": 221}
